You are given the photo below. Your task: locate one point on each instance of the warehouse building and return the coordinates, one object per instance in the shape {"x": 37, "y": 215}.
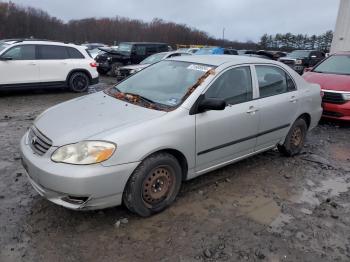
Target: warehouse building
{"x": 341, "y": 38}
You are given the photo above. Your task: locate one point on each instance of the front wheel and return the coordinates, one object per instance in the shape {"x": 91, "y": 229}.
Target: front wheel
{"x": 79, "y": 82}
{"x": 295, "y": 139}
{"x": 154, "y": 185}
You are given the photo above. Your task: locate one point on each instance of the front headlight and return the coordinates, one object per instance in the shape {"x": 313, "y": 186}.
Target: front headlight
{"x": 84, "y": 153}
{"x": 298, "y": 62}
{"x": 346, "y": 96}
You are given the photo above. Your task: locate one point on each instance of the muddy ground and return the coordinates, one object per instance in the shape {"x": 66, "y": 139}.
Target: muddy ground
{"x": 266, "y": 208}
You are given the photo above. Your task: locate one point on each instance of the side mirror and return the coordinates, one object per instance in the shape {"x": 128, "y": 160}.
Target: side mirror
{"x": 206, "y": 104}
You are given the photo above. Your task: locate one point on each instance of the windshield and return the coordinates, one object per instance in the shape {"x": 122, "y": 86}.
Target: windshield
{"x": 299, "y": 54}
{"x": 153, "y": 59}
{"x": 166, "y": 83}
{"x": 3, "y": 46}
{"x": 337, "y": 64}
{"x": 125, "y": 47}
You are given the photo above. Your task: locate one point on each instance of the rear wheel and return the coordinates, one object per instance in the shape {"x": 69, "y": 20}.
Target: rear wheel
{"x": 295, "y": 139}
{"x": 79, "y": 82}
{"x": 154, "y": 185}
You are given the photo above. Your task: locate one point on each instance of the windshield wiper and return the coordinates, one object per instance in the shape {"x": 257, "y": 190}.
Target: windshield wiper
{"x": 145, "y": 99}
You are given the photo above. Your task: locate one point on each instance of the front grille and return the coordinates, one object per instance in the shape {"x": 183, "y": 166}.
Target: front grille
{"x": 333, "y": 98}
{"x": 38, "y": 142}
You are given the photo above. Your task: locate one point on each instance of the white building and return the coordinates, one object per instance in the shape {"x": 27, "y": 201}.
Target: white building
{"x": 341, "y": 38}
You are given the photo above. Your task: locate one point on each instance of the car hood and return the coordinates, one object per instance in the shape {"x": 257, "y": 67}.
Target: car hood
{"x": 87, "y": 116}
{"x": 135, "y": 67}
{"x": 329, "y": 81}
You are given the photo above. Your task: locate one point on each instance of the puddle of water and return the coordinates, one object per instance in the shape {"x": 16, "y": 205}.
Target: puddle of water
{"x": 261, "y": 209}
{"x": 4, "y": 124}
{"x": 330, "y": 188}
{"x": 280, "y": 221}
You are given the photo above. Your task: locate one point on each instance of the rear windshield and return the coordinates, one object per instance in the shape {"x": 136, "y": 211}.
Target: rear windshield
{"x": 336, "y": 64}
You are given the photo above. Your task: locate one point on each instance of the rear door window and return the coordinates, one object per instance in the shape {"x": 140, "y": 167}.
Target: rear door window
{"x": 22, "y": 52}
{"x": 234, "y": 86}
{"x": 273, "y": 81}
{"x": 52, "y": 52}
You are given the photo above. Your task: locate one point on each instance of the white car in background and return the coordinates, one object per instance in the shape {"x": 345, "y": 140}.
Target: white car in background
{"x": 29, "y": 63}
{"x": 126, "y": 71}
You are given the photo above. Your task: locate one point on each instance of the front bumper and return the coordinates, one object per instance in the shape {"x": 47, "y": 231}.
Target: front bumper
{"x": 73, "y": 186}
{"x": 336, "y": 111}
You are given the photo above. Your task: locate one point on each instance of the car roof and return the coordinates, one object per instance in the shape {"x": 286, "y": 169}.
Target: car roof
{"x": 217, "y": 60}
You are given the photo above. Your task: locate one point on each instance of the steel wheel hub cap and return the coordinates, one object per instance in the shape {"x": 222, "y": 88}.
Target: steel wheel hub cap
{"x": 297, "y": 136}
{"x": 157, "y": 185}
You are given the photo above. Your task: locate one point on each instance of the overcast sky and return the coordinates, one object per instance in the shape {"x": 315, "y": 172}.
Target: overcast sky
{"x": 242, "y": 19}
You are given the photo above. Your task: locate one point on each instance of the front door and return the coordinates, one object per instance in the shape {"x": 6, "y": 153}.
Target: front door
{"x": 19, "y": 66}
{"x": 225, "y": 135}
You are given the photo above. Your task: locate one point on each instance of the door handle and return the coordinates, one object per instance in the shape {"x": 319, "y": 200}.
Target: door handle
{"x": 252, "y": 110}
{"x": 293, "y": 99}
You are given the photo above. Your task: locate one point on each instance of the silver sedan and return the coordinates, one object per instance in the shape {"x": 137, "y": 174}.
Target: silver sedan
{"x": 180, "y": 118}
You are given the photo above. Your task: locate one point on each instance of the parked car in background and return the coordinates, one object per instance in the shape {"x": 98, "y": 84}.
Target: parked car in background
{"x": 301, "y": 59}
{"x": 191, "y": 50}
{"x": 333, "y": 75}
{"x": 126, "y": 71}
{"x": 91, "y": 46}
{"x": 29, "y": 63}
{"x": 216, "y": 51}
{"x": 128, "y": 53}
{"x": 177, "y": 119}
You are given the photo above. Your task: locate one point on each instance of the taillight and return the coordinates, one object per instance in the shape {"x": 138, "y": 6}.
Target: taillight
{"x": 93, "y": 64}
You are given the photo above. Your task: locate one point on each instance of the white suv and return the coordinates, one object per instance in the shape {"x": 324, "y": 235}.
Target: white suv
{"x": 39, "y": 63}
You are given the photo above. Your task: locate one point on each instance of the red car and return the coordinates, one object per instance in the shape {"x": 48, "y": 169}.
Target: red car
{"x": 333, "y": 75}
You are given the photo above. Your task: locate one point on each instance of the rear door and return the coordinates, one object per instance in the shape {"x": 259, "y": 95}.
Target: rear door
{"x": 278, "y": 104}
{"x": 54, "y": 62}
{"x": 225, "y": 135}
{"x": 21, "y": 66}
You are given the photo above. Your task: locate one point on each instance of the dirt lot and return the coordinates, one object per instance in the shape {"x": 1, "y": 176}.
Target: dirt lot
{"x": 266, "y": 208}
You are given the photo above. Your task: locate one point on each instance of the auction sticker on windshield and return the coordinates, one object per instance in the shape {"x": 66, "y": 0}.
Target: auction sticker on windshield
{"x": 199, "y": 68}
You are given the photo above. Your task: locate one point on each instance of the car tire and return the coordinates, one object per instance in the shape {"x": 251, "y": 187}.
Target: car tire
{"x": 79, "y": 82}
{"x": 114, "y": 68}
{"x": 295, "y": 139}
{"x": 154, "y": 185}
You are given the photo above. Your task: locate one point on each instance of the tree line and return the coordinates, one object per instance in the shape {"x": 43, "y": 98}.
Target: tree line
{"x": 24, "y": 22}
{"x": 289, "y": 41}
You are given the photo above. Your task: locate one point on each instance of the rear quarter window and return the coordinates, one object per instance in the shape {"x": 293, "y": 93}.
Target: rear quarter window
{"x": 74, "y": 53}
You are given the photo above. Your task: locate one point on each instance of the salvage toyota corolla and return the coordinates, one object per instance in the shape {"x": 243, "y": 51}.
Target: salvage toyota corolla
{"x": 180, "y": 118}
